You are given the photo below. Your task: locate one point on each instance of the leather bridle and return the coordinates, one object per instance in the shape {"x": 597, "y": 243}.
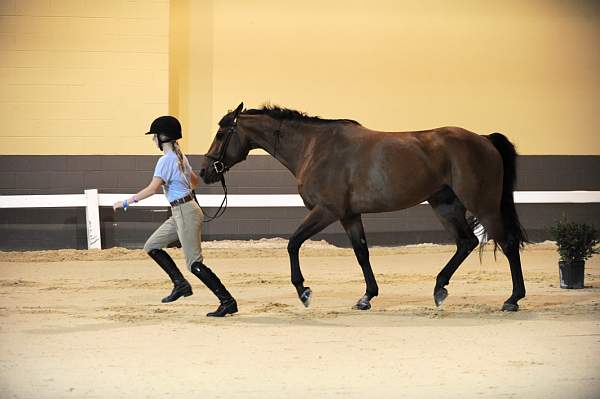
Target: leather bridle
{"x": 218, "y": 165}
{"x": 220, "y": 168}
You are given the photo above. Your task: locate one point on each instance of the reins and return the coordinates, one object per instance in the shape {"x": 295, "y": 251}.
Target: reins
{"x": 222, "y": 207}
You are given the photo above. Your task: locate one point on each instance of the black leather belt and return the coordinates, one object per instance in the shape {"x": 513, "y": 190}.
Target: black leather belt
{"x": 187, "y": 198}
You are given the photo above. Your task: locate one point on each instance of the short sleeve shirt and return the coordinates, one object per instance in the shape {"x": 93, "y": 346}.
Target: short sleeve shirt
{"x": 175, "y": 183}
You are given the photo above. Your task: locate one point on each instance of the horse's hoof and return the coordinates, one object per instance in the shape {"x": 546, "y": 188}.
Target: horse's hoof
{"x": 362, "y": 304}
{"x": 305, "y": 297}
{"x": 439, "y": 296}
{"x": 510, "y": 307}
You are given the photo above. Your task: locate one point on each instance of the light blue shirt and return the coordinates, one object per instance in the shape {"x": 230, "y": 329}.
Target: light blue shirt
{"x": 176, "y": 184}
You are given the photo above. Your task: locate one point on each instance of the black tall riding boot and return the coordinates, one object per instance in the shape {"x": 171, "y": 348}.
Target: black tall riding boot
{"x": 228, "y": 304}
{"x": 181, "y": 286}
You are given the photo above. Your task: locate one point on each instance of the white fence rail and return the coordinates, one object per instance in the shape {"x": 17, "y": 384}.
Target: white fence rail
{"x": 92, "y": 201}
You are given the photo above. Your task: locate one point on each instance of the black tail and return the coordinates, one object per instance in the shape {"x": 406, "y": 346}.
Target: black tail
{"x": 512, "y": 225}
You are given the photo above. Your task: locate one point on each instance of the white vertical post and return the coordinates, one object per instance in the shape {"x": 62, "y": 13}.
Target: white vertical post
{"x": 92, "y": 217}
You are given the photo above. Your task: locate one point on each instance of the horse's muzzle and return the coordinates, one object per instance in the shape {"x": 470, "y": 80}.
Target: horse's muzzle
{"x": 204, "y": 175}
{"x": 210, "y": 174}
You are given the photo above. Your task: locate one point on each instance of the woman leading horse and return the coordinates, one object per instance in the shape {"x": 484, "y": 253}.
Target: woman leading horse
{"x": 344, "y": 170}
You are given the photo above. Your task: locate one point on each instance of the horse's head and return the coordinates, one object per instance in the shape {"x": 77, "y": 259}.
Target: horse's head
{"x": 229, "y": 147}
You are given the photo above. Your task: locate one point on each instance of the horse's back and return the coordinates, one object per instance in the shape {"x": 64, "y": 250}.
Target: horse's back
{"x": 417, "y": 164}
{"x": 358, "y": 170}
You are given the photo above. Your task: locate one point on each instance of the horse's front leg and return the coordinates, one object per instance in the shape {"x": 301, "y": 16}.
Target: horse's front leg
{"x": 316, "y": 220}
{"x": 354, "y": 228}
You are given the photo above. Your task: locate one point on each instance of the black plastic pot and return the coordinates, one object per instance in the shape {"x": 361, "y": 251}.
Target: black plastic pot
{"x": 571, "y": 274}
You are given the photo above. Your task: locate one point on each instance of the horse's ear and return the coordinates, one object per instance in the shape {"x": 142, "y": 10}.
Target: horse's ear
{"x": 238, "y": 110}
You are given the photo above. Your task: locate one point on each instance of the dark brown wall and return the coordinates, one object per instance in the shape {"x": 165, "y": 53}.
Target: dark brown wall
{"x": 65, "y": 228}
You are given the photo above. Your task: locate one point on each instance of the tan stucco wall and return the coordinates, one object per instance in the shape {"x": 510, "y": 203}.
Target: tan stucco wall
{"x": 524, "y": 68}
{"x": 191, "y": 71}
{"x": 81, "y": 77}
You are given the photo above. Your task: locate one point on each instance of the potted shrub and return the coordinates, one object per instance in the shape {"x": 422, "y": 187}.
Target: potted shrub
{"x": 576, "y": 242}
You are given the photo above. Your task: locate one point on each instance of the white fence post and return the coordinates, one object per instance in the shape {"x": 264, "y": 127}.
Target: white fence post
{"x": 92, "y": 217}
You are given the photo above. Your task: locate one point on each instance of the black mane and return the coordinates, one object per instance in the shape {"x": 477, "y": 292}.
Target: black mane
{"x": 286, "y": 114}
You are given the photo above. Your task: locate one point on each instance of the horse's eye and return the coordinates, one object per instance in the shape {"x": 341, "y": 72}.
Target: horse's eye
{"x": 219, "y": 135}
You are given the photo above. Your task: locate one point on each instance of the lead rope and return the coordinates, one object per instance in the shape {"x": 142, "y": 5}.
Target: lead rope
{"x": 222, "y": 207}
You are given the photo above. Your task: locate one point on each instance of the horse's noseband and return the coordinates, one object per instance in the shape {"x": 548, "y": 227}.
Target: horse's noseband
{"x": 219, "y": 167}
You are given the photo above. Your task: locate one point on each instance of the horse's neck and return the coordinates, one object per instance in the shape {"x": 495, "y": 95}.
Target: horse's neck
{"x": 287, "y": 146}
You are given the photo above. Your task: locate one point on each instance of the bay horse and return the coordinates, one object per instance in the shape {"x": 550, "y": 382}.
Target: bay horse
{"x": 344, "y": 170}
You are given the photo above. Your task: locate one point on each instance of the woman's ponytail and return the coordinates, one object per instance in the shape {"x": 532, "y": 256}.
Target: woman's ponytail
{"x": 179, "y": 156}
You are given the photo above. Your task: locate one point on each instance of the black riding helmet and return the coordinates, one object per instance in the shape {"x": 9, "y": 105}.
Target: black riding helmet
{"x": 167, "y": 128}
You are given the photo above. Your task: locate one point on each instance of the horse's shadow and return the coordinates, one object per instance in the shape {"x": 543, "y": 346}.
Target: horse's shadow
{"x": 387, "y": 319}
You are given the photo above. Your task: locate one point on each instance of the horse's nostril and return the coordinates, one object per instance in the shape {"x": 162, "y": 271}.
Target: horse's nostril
{"x": 202, "y": 172}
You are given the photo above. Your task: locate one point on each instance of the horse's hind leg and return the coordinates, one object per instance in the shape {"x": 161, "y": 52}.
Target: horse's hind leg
{"x": 510, "y": 247}
{"x": 316, "y": 220}
{"x": 452, "y": 214}
{"x": 354, "y": 228}
{"x": 498, "y": 231}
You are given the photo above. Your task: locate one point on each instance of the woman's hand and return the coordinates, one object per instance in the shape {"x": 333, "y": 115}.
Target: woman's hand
{"x": 152, "y": 188}
{"x": 117, "y": 205}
